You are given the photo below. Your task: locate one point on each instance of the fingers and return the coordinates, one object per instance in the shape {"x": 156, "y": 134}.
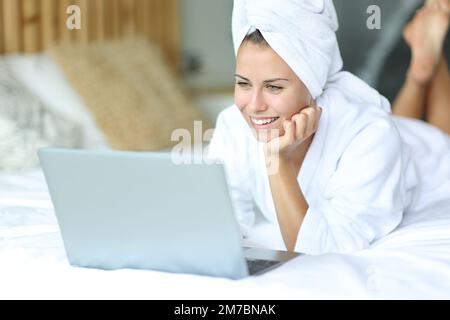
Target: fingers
{"x": 301, "y": 125}
{"x": 311, "y": 116}
{"x": 314, "y": 115}
{"x": 280, "y": 143}
{"x": 289, "y": 133}
{"x": 307, "y": 121}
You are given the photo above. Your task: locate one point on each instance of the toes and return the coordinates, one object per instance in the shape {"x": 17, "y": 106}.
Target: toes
{"x": 444, "y": 5}
{"x": 432, "y": 4}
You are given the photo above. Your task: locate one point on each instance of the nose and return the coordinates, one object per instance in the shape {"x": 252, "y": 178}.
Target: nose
{"x": 257, "y": 103}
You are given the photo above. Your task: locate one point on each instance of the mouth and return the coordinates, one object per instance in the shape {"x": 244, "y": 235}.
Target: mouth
{"x": 265, "y": 122}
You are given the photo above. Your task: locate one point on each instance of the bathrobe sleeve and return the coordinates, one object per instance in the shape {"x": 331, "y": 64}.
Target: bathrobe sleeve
{"x": 228, "y": 147}
{"x": 363, "y": 199}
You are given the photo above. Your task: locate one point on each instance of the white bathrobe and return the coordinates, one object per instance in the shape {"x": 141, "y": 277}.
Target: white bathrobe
{"x": 363, "y": 171}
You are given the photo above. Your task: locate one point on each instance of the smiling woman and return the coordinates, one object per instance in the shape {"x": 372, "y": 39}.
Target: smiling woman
{"x": 311, "y": 152}
{"x": 279, "y": 108}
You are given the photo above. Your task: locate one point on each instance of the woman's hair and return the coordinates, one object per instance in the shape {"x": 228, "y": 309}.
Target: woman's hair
{"x": 256, "y": 37}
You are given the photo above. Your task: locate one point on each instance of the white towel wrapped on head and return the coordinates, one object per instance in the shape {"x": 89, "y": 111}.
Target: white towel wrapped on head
{"x": 303, "y": 34}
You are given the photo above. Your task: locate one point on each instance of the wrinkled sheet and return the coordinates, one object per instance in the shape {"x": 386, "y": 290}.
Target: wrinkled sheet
{"x": 412, "y": 262}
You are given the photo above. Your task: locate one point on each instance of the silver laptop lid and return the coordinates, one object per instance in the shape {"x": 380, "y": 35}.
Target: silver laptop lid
{"x": 140, "y": 210}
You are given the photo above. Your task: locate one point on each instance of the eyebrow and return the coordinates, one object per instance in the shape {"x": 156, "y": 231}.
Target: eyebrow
{"x": 265, "y": 81}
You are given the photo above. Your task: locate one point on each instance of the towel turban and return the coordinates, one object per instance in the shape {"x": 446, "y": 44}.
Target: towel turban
{"x": 303, "y": 34}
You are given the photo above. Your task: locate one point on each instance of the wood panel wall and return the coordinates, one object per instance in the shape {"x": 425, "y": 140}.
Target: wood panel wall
{"x": 30, "y": 26}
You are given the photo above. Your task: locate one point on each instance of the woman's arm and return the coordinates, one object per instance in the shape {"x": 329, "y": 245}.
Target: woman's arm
{"x": 284, "y": 158}
{"x": 290, "y": 204}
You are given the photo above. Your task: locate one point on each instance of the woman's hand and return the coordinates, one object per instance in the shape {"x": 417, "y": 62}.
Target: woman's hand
{"x": 297, "y": 130}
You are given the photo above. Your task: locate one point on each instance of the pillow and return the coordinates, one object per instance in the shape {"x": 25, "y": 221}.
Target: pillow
{"x": 129, "y": 91}
{"x": 44, "y": 79}
{"x": 26, "y": 125}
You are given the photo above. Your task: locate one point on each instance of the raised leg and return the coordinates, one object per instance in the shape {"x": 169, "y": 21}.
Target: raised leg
{"x": 438, "y": 100}
{"x": 425, "y": 35}
{"x": 410, "y": 101}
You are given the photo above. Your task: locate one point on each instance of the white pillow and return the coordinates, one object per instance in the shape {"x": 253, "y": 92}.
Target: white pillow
{"x": 26, "y": 125}
{"x": 42, "y": 77}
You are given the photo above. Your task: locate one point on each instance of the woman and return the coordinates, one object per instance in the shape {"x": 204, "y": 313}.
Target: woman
{"x": 314, "y": 160}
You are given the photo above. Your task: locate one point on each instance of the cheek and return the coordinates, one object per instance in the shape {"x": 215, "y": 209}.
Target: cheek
{"x": 285, "y": 106}
{"x": 240, "y": 99}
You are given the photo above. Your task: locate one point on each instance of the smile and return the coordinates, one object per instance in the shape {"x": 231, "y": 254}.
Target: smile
{"x": 263, "y": 122}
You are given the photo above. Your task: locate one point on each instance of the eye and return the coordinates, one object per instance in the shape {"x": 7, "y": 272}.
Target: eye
{"x": 274, "y": 88}
{"x": 243, "y": 85}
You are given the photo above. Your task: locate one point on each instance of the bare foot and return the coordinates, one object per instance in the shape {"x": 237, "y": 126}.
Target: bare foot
{"x": 425, "y": 34}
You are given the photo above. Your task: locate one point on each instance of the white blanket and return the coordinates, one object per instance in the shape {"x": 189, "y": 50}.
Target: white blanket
{"x": 411, "y": 262}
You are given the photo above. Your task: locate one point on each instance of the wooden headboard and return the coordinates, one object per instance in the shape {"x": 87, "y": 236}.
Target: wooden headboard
{"x": 33, "y": 25}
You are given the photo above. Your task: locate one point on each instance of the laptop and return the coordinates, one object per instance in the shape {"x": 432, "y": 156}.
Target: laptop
{"x": 143, "y": 211}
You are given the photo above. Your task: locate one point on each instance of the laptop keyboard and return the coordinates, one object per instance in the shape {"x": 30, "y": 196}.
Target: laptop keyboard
{"x": 256, "y": 265}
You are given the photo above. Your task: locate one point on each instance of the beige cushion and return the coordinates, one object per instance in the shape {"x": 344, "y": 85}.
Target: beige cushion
{"x": 132, "y": 95}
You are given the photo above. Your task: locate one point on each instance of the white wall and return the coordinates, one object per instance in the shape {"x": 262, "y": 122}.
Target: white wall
{"x": 206, "y": 33}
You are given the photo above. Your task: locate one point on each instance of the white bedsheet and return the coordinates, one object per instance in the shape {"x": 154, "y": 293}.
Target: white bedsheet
{"x": 412, "y": 262}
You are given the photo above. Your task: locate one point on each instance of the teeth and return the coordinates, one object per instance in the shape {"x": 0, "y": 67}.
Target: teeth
{"x": 263, "y": 122}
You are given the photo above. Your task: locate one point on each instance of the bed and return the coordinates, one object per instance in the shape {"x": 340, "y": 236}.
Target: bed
{"x": 412, "y": 262}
